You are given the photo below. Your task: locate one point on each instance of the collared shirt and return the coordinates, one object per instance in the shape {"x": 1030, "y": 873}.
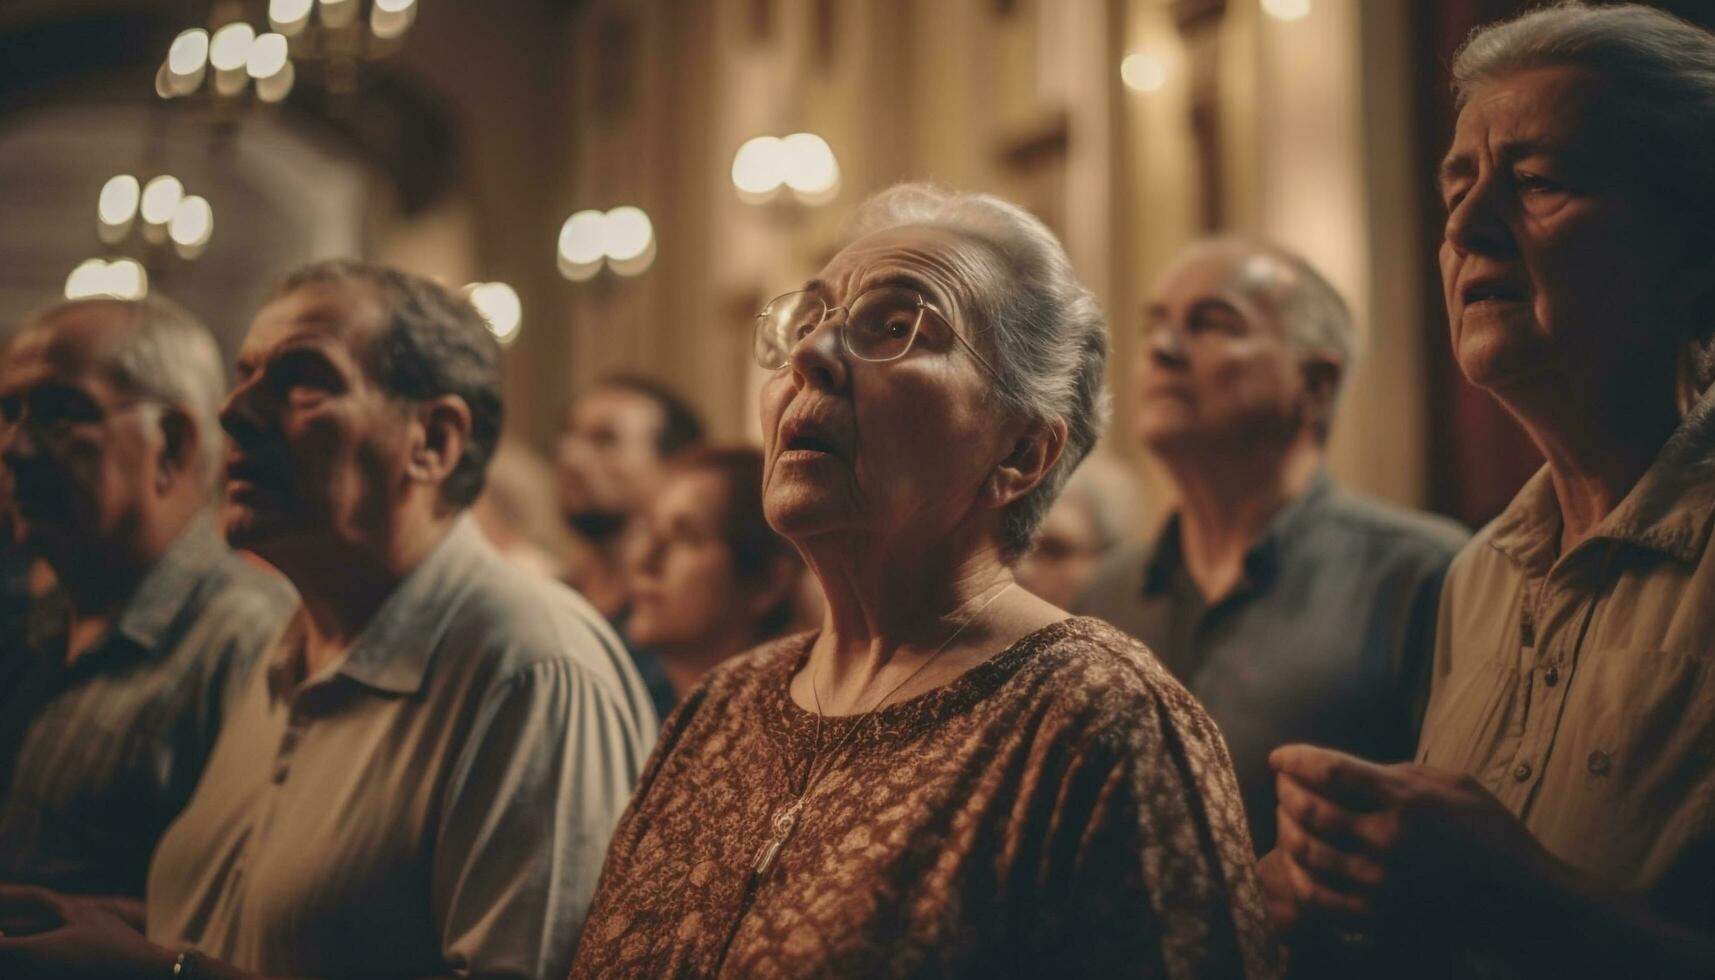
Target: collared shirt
{"x": 1326, "y": 638}
{"x": 438, "y": 801}
{"x": 1580, "y": 687}
{"x": 100, "y": 755}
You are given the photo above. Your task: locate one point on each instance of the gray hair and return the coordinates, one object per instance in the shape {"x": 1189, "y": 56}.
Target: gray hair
{"x": 1313, "y": 315}
{"x": 167, "y": 356}
{"x": 434, "y": 343}
{"x": 1048, "y": 335}
{"x": 1659, "y": 74}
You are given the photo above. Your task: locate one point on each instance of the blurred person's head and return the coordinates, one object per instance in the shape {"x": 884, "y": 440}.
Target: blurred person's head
{"x": 111, "y": 442}
{"x": 366, "y": 409}
{"x": 1245, "y": 348}
{"x": 710, "y": 578}
{"x": 1096, "y": 512}
{"x": 616, "y": 438}
{"x": 1579, "y": 248}
{"x": 518, "y": 511}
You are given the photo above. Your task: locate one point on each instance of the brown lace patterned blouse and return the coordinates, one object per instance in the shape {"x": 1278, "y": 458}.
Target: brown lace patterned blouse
{"x": 1063, "y": 809}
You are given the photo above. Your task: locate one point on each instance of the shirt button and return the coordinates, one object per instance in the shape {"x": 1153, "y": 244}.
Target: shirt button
{"x": 1522, "y": 773}
{"x": 1600, "y": 764}
{"x": 1551, "y": 676}
{"x": 280, "y": 772}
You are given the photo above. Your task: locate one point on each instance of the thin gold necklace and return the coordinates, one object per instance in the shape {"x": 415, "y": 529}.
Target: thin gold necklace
{"x": 785, "y": 819}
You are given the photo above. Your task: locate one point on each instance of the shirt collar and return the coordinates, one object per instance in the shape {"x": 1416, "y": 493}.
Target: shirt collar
{"x": 1263, "y": 555}
{"x": 393, "y": 652}
{"x": 1668, "y": 511}
{"x": 168, "y": 588}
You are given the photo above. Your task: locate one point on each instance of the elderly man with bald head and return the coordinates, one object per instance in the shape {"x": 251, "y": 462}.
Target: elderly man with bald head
{"x": 1293, "y": 610}
{"x": 115, "y": 689}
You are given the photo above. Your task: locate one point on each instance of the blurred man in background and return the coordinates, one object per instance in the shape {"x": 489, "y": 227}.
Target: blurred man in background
{"x": 117, "y": 682}
{"x": 617, "y": 439}
{"x": 1293, "y": 610}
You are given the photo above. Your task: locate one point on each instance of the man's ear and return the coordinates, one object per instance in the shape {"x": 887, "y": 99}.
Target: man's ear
{"x": 179, "y": 447}
{"x": 1322, "y": 376}
{"x": 442, "y": 432}
{"x": 1032, "y": 456}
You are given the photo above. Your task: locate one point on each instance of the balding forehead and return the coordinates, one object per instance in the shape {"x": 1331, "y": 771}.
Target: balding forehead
{"x": 75, "y": 336}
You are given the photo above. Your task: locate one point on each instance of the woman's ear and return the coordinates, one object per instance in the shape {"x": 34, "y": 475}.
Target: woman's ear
{"x": 443, "y": 431}
{"x": 180, "y": 444}
{"x": 1032, "y": 456}
{"x": 1322, "y": 376}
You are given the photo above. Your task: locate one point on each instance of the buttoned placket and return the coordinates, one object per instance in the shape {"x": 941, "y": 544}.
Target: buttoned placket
{"x": 1548, "y": 663}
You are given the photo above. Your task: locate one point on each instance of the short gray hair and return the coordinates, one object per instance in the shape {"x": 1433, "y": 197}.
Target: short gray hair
{"x": 1659, "y": 73}
{"x": 166, "y": 355}
{"x": 434, "y": 343}
{"x": 1048, "y": 335}
{"x": 1313, "y": 315}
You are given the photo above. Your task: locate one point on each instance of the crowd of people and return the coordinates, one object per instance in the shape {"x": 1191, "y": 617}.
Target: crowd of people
{"x": 313, "y": 675}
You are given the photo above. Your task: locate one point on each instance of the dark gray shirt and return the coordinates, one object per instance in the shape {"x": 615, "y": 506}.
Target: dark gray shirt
{"x": 97, "y": 757}
{"x": 1326, "y": 639}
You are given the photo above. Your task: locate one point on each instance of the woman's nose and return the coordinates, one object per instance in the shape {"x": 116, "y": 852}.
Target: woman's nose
{"x": 817, "y": 357}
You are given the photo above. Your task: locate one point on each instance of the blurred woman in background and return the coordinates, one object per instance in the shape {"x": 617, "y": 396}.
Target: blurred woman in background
{"x": 711, "y": 579}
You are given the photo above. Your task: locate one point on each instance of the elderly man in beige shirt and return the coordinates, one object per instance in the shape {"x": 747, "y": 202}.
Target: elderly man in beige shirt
{"x": 422, "y": 777}
{"x": 1560, "y": 820}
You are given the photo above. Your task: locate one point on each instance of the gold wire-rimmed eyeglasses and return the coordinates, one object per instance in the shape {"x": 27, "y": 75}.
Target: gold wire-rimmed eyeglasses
{"x": 880, "y": 325}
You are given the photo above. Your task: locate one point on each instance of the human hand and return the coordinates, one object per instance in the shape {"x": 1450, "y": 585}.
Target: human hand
{"x": 46, "y": 934}
{"x": 1362, "y": 845}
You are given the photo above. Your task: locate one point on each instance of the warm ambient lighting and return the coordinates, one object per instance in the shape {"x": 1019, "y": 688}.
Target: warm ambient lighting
{"x": 267, "y": 56}
{"x": 231, "y": 46}
{"x": 119, "y": 198}
{"x": 123, "y": 278}
{"x": 802, "y": 161}
{"x": 500, "y": 308}
{"x": 1143, "y": 72}
{"x": 623, "y": 239}
{"x": 1286, "y": 9}
{"x": 189, "y": 52}
{"x": 192, "y": 224}
{"x": 161, "y": 199}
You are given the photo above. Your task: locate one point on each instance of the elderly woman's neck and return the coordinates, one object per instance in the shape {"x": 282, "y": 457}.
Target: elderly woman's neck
{"x": 1598, "y": 444}
{"x": 883, "y": 602}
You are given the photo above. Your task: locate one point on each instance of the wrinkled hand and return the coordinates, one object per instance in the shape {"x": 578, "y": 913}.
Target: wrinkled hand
{"x": 1363, "y": 845}
{"x": 52, "y": 935}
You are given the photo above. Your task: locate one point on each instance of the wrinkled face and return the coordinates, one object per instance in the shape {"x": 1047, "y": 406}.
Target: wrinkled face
{"x": 1552, "y": 267}
{"x": 1064, "y": 556}
{"x": 609, "y": 457}
{"x": 317, "y": 449}
{"x": 898, "y": 449}
{"x": 684, "y": 589}
{"x": 1216, "y": 369}
{"x": 80, "y": 457}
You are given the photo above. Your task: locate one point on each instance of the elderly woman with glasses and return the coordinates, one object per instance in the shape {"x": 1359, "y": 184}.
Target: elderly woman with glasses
{"x": 951, "y": 777}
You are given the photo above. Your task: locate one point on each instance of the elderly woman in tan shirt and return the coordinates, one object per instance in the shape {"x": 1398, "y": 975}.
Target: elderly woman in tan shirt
{"x": 951, "y": 777}
{"x": 1561, "y": 819}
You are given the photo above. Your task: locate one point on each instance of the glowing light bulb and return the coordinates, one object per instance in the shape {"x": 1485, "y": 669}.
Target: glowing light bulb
{"x": 583, "y": 238}
{"x": 1287, "y": 10}
{"x": 500, "y": 307}
{"x": 267, "y": 57}
{"x": 281, "y": 12}
{"x": 161, "y": 198}
{"x": 759, "y": 167}
{"x": 394, "y": 6}
{"x": 808, "y": 164}
{"x": 119, "y": 198}
{"x": 1143, "y": 73}
{"x": 628, "y": 233}
{"x": 278, "y": 85}
{"x": 189, "y": 52}
{"x": 231, "y": 46}
{"x": 193, "y": 222}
